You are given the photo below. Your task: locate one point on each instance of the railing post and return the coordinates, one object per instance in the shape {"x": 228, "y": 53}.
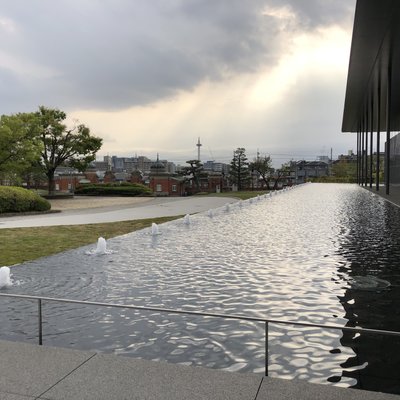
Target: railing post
{"x": 266, "y": 348}
{"x": 40, "y": 321}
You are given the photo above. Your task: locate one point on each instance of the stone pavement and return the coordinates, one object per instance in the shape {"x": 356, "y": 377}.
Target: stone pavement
{"x": 30, "y": 372}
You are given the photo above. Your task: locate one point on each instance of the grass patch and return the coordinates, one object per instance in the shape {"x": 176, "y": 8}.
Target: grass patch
{"x": 26, "y": 244}
{"x": 243, "y": 195}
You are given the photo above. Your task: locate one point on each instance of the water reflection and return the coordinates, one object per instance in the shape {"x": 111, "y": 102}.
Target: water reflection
{"x": 291, "y": 257}
{"x": 371, "y": 248}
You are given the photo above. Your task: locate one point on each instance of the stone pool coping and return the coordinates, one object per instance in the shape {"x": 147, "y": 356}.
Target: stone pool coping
{"x": 39, "y": 372}
{"x": 393, "y": 197}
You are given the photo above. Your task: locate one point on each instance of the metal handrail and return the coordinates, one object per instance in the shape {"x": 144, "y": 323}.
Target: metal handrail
{"x": 266, "y": 321}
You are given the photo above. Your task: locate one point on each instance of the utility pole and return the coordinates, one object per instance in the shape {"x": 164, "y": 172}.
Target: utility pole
{"x": 198, "y": 149}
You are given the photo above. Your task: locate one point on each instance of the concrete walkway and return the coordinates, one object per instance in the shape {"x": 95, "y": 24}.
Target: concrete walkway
{"x": 39, "y": 372}
{"x": 158, "y": 207}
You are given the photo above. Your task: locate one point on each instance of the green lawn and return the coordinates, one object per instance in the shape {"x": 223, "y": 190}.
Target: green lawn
{"x": 25, "y": 244}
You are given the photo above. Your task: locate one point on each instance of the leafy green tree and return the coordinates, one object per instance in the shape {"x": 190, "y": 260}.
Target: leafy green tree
{"x": 74, "y": 147}
{"x": 34, "y": 175}
{"x": 239, "y": 172}
{"x": 19, "y": 145}
{"x": 263, "y": 166}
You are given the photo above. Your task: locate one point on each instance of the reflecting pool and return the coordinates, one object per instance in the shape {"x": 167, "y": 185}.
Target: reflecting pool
{"x": 320, "y": 253}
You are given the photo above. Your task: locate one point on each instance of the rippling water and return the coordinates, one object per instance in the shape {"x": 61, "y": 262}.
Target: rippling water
{"x": 297, "y": 255}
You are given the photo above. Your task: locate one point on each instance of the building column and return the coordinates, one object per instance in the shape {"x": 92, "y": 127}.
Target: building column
{"x": 378, "y": 138}
{"x": 362, "y": 156}
{"x": 366, "y": 149}
{"x": 388, "y": 118}
{"x": 358, "y": 157}
{"x": 371, "y": 149}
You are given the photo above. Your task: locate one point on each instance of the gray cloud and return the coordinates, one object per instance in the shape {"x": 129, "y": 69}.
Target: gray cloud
{"x": 313, "y": 13}
{"x": 119, "y": 53}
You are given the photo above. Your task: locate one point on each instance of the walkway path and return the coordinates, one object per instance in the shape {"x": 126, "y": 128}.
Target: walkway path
{"x": 30, "y": 372}
{"x": 155, "y": 207}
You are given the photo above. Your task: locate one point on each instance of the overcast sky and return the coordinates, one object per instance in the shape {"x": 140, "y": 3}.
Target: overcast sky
{"x": 151, "y": 76}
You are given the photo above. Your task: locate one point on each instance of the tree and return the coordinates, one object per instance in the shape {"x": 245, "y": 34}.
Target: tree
{"x": 345, "y": 171}
{"x": 239, "y": 169}
{"x": 263, "y": 165}
{"x": 19, "y": 145}
{"x": 283, "y": 172}
{"x": 73, "y": 147}
{"x": 194, "y": 171}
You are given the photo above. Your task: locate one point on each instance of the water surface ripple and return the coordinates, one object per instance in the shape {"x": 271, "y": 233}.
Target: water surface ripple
{"x": 296, "y": 256}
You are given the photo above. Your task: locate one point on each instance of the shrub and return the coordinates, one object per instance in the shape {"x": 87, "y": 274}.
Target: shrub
{"x": 16, "y": 199}
{"x": 113, "y": 189}
{"x": 333, "y": 179}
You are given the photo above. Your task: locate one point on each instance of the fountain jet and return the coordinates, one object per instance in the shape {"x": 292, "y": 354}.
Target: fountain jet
{"x": 154, "y": 229}
{"x": 5, "y": 280}
{"x": 101, "y": 248}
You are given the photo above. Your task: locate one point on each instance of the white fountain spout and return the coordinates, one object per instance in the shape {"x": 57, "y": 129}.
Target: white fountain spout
{"x": 101, "y": 246}
{"x": 5, "y": 280}
{"x": 154, "y": 229}
{"x": 186, "y": 219}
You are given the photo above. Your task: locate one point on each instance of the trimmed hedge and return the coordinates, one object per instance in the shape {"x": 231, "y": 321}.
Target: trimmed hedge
{"x": 113, "y": 189}
{"x": 334, "y": 179}
{"x": 15, "y": 199}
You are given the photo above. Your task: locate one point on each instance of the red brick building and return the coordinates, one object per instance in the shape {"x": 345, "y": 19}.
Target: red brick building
{"x": 164, "y": 183}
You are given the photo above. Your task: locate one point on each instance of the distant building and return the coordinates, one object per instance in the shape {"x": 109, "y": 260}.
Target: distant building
{"x": 349, "y": 157}
{"x": 304, "y": 170}
{"x": 164, "y": 183}
{"x": 324, "y": 159}
{"x": 163, "y": 177}
{"x": 141, "y": 163}
{"x": 216, "y": 167}
{"x": 101, "y": 165}
{"x": 66, "y": 179}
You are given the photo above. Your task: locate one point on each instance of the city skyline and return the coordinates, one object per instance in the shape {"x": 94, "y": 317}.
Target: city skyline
{"x": 209, "y": 160}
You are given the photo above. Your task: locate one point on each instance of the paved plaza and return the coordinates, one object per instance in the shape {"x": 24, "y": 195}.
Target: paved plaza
{"x": 30, "y": 372}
